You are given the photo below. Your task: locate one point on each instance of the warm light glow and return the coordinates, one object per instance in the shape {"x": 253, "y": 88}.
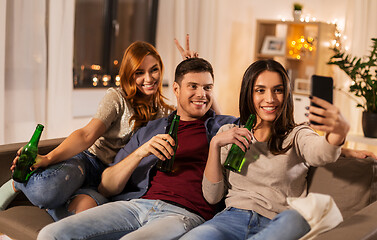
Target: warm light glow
{"x": 95, "y": 80}
{"x": 95, "y": 67}
{"x": 116, "y": 62}
{"x": 326, "y": 44}
{"x": 117, "y": 80}
{"x": 105, "y": 80}
{"x": 300, "y": 47}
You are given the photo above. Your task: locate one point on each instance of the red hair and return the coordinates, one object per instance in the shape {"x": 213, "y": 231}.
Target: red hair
{"x": 144, "y": 111}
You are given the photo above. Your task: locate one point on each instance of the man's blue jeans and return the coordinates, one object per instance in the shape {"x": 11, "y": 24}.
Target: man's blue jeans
{"x": 52, "y": 188}
{"x": 134, "y": 219}
{"x": 234, "y": 223}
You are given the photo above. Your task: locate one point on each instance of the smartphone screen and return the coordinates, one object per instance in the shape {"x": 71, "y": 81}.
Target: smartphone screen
{"x": 322, "y": 87}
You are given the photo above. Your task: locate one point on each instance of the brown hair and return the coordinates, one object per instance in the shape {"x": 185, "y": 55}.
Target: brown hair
{"x": 190, "y": 65}
{"x": 132, "y": 59}
{"x": 284, "y": 122}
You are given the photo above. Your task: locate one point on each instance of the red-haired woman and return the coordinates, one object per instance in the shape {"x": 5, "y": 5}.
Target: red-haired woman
{"x": 67, "y": 178}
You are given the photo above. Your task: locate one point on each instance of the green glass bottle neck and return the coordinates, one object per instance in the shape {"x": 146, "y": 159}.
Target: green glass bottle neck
{"x": 250, "y": 122}
{"x": 174, "y": 125}
{"x": 36, "y": 135}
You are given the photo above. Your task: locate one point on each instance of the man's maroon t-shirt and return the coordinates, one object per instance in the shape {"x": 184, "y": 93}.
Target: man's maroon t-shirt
{"x": 184, "y": 184}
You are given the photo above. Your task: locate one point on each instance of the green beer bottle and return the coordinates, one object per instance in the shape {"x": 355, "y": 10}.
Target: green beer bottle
{"x": 28, "y": 154}
{"x": 235, "y": 158}
{"x": 167, "y": 165}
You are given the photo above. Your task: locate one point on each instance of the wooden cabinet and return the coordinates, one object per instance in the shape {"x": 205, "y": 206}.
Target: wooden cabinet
{"x": 314, "y": 38}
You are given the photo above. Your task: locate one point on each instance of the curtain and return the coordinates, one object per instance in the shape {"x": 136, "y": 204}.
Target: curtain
{"x": 360, "y": 27}
{"x": 220, "y": 30}
{"x": 224, "y": 33}
{"x": 36, "y": 62}
{"x": 35, "y": 68}
{"x": 25, "y": 68}
{"x": 60, "y": 76}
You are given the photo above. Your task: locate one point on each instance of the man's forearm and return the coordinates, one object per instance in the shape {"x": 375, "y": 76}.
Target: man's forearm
{"x": 115, "y": 178}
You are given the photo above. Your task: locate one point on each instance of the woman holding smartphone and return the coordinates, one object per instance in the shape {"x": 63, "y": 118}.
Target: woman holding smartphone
{"x": 278, "y": 156}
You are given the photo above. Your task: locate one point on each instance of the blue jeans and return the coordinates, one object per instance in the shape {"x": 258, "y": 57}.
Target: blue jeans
{"x": 134, "y": 219}
{"x": 53, "y": 187}
{"x": 234, "y": 223}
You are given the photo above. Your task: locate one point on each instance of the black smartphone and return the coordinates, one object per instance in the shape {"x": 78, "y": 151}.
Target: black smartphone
{"x": 321, "y": 87}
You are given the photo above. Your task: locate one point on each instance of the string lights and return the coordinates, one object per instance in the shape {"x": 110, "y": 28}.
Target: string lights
{"x": 301, "y": 47}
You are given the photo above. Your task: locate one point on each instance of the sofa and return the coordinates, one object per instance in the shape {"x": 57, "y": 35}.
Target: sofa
{"x": 351, "y": 182}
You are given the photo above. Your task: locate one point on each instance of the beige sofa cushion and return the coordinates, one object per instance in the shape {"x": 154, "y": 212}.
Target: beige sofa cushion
{"x": 24, "y": 222}
{"x": 351, "y": 182}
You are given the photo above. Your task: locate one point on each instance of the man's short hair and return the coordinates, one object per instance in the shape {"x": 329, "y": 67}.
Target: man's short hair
{"x": 195, "y": 65}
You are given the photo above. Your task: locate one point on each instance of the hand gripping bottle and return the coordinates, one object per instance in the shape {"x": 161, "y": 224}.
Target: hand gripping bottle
{"x": 28, "y": 154}
{"x": 235, "y": 158}
{"x": 167, "y": 165}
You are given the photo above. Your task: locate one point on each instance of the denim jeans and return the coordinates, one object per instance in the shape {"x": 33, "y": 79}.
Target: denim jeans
{"x": 234, "y": 223}
{"x": 53, "y": 187}
{"x": 135, "y": 219}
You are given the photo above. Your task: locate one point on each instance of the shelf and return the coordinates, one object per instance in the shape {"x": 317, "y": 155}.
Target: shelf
{"x": 311, "y": 62}
{"x": 362, "y": 139}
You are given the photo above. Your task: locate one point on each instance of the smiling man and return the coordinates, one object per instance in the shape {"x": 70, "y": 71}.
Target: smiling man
{"x": 150, "y": 204}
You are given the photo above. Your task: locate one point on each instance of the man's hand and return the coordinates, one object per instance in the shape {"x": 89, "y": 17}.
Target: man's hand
{"x": 347, "y": 152}
{"x": 160, "y": 146}
{"x": 115, "y": 178}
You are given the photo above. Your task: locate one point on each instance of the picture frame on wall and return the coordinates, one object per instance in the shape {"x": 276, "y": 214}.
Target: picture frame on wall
{"x": 273, "y": 46}
{"x": 302, "y": 86}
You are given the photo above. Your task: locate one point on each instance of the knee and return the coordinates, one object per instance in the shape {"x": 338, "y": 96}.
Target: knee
{"x": 291, "y": 215}
{"x": 81, "y": 203}
{"x": 51, "y": 189}
{"x": 295, "y": 219}
{"x": 46, "y": 198}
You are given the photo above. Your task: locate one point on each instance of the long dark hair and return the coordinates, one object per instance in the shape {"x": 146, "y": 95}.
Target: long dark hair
{"x": 284, "y": 122}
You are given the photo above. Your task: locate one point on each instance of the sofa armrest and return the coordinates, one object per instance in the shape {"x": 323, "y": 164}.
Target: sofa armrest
{"x": 361, "y": 226}
{"x": 352, "y": 183}
{"x": 8, "y": 153}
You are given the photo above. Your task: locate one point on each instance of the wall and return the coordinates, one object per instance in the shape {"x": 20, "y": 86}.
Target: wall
{"x": 227, "y": 40}
{"x": 2, "y": 68}
{"x": 226, "y": 33}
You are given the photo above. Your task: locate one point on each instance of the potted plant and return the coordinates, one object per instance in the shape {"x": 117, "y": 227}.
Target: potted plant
{"x": 363, "y": 73}
{"x": 297, "y": 11}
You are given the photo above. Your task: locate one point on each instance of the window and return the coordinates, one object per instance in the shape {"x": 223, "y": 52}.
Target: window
{"x": 103, "y": 31}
